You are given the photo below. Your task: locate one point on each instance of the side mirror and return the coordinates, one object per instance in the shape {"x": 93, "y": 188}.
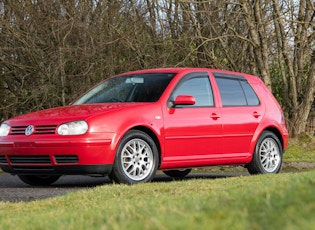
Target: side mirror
{"x": 184, "y": 100}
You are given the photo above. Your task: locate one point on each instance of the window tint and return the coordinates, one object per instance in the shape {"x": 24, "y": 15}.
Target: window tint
{"x": 236, "y": 92}
{"x": 251, "y": 96}
{"x": 197, "y": 86}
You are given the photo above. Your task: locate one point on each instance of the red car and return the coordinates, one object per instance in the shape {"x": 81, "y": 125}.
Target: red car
{"x": 133, "y": 124}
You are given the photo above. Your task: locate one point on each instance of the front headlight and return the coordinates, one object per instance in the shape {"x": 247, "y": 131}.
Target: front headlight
{"x": 4, "y": 130}
{"x": 73, "y": 128}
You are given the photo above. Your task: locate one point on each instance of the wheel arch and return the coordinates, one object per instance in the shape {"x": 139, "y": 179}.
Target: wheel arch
{"x": 277, "y": 133}
{"x": 141, "y": 165}
{"x": 272, "y": 157}
{"x": 154, "y": 137}
{"x": 272, "y": 129}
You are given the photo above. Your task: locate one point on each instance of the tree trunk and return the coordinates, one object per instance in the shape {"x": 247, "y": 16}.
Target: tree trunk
{"x": 257, "y": 31}
{"x": 298, "y": 74}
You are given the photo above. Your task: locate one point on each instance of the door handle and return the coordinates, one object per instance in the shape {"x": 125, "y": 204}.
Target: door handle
{"x": 256, "y": 114}
{"x": 214, "y": 116}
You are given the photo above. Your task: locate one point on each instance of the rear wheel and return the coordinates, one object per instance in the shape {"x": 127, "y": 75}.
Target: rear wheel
{"x": 136, "y": 159}
{"x": 267, "y": 157}
{"x": 177, "y": 174}
{"x": 38, "y": 180}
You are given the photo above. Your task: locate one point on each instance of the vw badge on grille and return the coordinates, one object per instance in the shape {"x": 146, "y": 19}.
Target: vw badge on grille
{"x": 29, "y": 130}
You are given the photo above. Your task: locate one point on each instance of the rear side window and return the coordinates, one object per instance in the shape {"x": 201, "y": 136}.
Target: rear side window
{"x": 236, "y": 92}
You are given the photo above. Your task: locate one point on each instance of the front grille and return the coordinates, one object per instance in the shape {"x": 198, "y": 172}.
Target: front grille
{"x": 18, "y": 130}
{"x": 3, "y": 160}
{"x": 66, "y": 159}
{"x": 40, "y": 129}
{"x": 30, "y": 159}
{"x": 45, "y": 129}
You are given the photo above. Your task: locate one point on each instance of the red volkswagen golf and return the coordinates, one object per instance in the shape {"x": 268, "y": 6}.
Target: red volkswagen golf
{"x": 131, "y": 125}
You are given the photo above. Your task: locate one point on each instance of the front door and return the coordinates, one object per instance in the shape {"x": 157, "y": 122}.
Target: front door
{"x": 192, "y": 132}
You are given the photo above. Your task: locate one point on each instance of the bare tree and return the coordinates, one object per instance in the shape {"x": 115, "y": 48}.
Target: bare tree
{"x": 51, "y": 51}
{"x": 272, "y": 39}
{"x": 296, "y": 59}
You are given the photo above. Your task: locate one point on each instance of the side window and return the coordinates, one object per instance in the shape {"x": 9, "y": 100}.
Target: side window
{"x": 236, "y": 92}
{"x": 197, "y": 86}
{"x": 251, "y": 96}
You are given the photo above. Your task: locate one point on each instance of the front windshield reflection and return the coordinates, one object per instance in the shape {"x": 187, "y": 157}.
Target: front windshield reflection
{"x": 128, "y": 88}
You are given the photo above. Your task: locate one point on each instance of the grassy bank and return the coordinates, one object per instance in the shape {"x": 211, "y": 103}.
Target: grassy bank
{"x": 301, "y": 149}
{"x": 283, "y": 201}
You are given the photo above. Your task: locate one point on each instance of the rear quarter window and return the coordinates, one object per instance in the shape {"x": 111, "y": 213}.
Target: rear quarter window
{"x": 236, "y": 91}
{"x": 250, "y": 95}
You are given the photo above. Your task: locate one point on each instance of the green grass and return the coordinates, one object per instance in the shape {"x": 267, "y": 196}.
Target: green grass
{"x": 283, "y": 201}
{"x": 301, "y": 149}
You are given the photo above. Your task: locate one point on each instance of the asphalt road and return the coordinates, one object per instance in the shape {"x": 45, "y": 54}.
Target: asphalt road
{"x": 12, "y": 189}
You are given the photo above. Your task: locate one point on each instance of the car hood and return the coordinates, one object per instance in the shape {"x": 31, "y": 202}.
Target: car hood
{"x": 72, "y": 112}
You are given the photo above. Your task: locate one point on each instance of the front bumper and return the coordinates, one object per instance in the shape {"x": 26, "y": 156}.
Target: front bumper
{"x": 66, "y": 156}
{"x": 58, "y": 170}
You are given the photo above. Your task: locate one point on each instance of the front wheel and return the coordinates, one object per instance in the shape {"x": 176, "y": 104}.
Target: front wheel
{"x": 136, "y": 159}
{"x": 267, "y": 157}
{"x": 37, "y": 180}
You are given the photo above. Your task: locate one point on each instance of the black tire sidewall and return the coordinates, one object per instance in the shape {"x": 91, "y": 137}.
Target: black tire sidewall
{"x": 118, "y": 174}
{"x": 256, "y": 157}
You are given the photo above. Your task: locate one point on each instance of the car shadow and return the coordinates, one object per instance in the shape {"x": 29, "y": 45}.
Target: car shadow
{"x": 193, "y": 176}
{"x": 12, "y": 189}
{"x": 86, "y": 181}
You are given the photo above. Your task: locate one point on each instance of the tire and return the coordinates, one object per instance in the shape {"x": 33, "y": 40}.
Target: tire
{"x": 38, "y": 180}
{"x": 136, "y": 159}
{"x": 267, "y": 157}
{"x": 177, "y": 174}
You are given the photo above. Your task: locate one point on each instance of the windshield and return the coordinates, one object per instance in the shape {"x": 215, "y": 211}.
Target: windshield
{"x": 128, "y": 88}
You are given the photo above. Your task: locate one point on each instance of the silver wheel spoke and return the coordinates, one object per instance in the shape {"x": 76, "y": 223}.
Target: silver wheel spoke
{"x": 137, "y": 159}
{"x": 269, "y": 155}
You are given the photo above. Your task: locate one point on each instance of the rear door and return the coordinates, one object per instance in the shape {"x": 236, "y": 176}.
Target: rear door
{"x": 241, "y": 113}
